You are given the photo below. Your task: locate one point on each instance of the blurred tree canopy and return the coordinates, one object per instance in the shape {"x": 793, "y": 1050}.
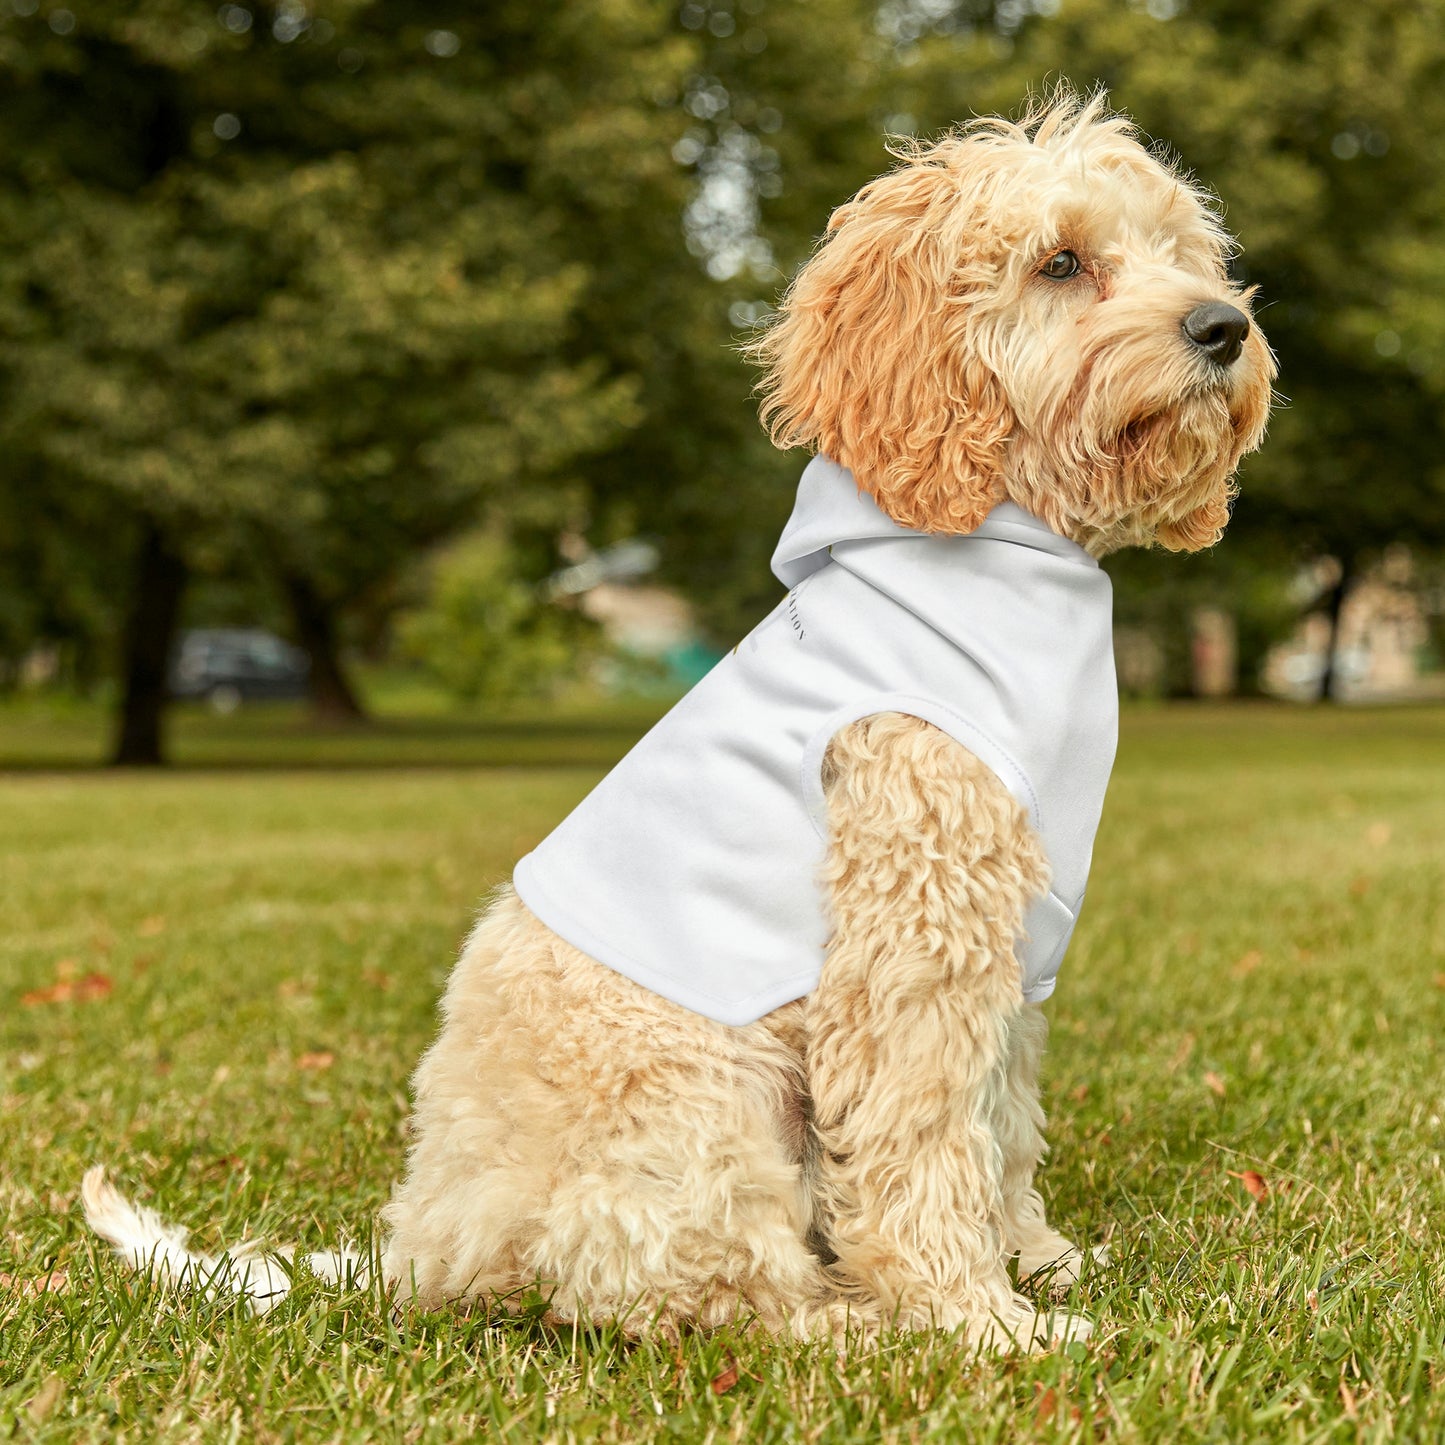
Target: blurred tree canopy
{"x": 315, "y": 288}
{"x": 304, "y": 289}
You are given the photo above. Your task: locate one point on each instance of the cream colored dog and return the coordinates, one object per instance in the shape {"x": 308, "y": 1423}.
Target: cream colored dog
{"x": 1036, "y": 312}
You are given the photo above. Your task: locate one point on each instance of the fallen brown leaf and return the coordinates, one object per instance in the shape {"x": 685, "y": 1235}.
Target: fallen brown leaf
{"x": 1254, "y": 1183}
{"x": 56, "y": 993}
{"x": 724, "y": 1382}
{"x": 56, "y": 1282}
{"x": 1248, "y": 963}
{"x": 377, "y": 978}
{"x": 82, "y": 990}
{"x": 151, "y": 927}
{"x": 1214, "y": 1083}
{"x": 1440, "y": 980}
{"x": 1080, "y": 1094}
{"x": 320, "y": 1059}
{"x": 1359, "y": 886}
{"x": 1046, "y": 1408}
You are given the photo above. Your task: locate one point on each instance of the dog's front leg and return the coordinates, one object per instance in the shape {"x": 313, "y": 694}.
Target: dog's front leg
{"x": 931, "y": 864}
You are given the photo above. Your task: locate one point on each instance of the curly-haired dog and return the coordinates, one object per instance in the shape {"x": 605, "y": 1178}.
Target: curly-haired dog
{"x": 755, "y": 1033}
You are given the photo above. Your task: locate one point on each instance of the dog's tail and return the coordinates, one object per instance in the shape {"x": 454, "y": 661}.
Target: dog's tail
{"x": 147, "y": 1243}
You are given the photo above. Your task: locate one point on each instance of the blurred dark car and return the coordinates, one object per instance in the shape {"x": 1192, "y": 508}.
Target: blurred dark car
{"x": 230, "y": 665}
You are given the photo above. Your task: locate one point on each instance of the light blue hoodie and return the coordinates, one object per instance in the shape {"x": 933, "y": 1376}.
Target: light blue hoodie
{"x": 693, "y": 866}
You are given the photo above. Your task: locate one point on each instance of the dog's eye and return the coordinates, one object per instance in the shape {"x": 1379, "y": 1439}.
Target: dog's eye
{"x": 1060, "y": 266}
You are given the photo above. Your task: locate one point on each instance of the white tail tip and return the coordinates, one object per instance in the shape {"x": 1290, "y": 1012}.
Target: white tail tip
{"x": 147, "y": 1243}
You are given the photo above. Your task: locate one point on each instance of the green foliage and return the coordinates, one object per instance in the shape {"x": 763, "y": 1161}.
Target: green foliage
{"x": 316, "y": 287}
{"x": 62, "y": 553}
{"x": 776, "y": 119}
{"x": 485, "y": 633}
{"x": 310, "y": 285}
{"x": 1161, "y": 594}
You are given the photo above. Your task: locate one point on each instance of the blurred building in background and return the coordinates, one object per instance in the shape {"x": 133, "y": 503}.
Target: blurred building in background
{"x": 655, "y": 640}
{"x": 1383, "y": 644}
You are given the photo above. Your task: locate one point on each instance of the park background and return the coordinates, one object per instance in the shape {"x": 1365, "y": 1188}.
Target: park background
{"x": 408, "y": 334}
{"x": 382, "y": 325}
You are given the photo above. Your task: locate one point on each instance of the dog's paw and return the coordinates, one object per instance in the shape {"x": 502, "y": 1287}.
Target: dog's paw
{"x": 1060, "y": 1327}
{"x": 1023, "y": 1326}
{"x": 1058, "y": 1267}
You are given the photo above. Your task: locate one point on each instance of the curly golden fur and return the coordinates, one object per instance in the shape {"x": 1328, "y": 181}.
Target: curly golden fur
{"x": 864, "y": 1156}
{"x": 867, "y": 1154}
{"x": 575, "y": 1131}
{"x": 922, "y": 348}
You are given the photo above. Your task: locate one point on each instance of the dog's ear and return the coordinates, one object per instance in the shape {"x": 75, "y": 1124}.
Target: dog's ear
{"x": 874, "y": 359}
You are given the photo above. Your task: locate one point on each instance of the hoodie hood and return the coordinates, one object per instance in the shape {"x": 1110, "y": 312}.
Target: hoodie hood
{"x": 831, "y": 510}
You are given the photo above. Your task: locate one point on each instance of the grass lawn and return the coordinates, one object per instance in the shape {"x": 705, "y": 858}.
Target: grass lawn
{"x": 216, "y": 980}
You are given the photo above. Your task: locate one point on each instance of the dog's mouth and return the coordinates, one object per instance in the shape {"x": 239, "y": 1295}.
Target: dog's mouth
{"x": 1138, "y": 433}
{"x": 1202, "y": 409}
{"x": 1171, "y": 456}
{"x": 1168, "y": 428}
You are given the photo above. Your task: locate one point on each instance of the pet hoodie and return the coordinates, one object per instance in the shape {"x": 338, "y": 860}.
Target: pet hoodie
{"x": 693, "y": 867}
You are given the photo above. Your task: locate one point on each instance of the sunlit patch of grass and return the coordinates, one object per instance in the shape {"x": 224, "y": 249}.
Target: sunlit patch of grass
{"x": 1257, "y": 989}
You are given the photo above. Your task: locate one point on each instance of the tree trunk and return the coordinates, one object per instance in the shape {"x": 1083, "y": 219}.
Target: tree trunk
{"x": 150, "y": 631}
{"x": 333, "y": 699}
{"x": 1329, "y": 679}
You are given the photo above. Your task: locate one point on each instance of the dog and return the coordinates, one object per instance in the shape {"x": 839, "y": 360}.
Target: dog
{"x": 756, "y": 1035}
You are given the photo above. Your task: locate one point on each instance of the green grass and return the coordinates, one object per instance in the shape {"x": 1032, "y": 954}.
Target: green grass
{"x": 1256, "y": 985}
{"x": 408, "y": 729}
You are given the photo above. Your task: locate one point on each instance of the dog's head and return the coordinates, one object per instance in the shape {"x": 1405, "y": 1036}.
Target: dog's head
{"x": 1036, "y": 311}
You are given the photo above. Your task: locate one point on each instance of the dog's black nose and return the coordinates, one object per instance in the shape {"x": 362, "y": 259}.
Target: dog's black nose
{"x": 1218, "y": 331}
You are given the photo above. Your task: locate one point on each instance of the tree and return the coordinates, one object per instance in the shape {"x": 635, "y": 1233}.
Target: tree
{"x": 311, "y": 287}
{"x": 778, "y": 118}
{"x": 306, "y": 291}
